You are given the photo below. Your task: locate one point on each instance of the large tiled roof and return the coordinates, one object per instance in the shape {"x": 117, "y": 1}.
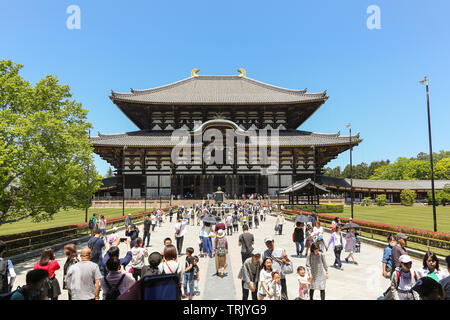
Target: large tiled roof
{"x": 163, "y": 138}
{"x": 218, "y": 90}
{"x": 385, "y": 184}
{"x": 299, "y": 185}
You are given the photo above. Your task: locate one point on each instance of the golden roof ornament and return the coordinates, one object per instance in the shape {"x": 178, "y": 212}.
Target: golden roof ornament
{"x": 242, "y": 72}
{"x": 194, "y": 72}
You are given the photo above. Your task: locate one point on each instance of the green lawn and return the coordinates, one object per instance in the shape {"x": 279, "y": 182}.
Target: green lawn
{"x": 415, "y": 217}
{"x": 62, "y": 218}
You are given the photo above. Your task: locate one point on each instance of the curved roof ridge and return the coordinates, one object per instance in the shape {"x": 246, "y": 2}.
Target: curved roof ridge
{"x": 270, "y": 86}
{"x": 135, "y": 92}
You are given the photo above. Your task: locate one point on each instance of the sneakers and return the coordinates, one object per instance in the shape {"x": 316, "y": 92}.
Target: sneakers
{"x": 183, "y": 296}
{"x": 190, "y": 297}
{"x": 346, "y": 260}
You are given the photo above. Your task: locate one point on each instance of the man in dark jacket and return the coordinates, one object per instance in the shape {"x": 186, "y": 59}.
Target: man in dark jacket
{"x": 147, "y": 230}
{"x": 299, "y": 238}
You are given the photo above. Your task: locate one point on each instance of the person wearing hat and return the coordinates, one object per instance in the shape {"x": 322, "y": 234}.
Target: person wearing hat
{"x": 280, "y": 262}
{"x": 221, "y": 251}
{"x": 429, "y": 289}
{"x": 249, "y": 274}
{"x": 399, "y": 249}
{"x": 403, "y": 280}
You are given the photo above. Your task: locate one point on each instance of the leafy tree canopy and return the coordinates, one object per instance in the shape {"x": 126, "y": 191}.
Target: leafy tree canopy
{"x": 46, "y": 161}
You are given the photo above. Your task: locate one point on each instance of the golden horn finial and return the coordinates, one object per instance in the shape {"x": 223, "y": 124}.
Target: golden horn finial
{"x": 194, "y": 72}
{"x": 242, "y": 71}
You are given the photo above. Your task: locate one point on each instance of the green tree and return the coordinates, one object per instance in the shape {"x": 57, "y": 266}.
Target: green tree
{"x": 407, "y": 197}
{"x": 45, "y": 153}
{"x": 381, "y": 200}
{"x": 442, "y": 169}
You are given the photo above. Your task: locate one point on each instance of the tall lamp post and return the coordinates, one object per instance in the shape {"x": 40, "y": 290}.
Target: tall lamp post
{"x": 351, "y": 167}
{"x": 425, "y": 81}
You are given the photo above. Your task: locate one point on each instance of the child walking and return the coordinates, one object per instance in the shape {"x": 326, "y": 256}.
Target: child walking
{"x": 189, "y": 274}
{"x": 196, "y": 277}
{"x": 303, "y": 283}
{"x": 265, "y": 275}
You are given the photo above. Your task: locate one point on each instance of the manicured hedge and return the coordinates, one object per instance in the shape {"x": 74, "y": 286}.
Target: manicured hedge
{"x": 320, "y": 208}
{"x": 387, "y": 228}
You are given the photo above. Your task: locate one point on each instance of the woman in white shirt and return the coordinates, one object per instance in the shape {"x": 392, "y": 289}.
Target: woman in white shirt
{"x": 431, "y": 268}
{"x": 318, "y": 235}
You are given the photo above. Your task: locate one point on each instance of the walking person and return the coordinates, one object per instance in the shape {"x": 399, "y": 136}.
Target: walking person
{"x": 96, "y": 244}
{"x": 83, "y": 278}
{"x": 49, "y": 263}
{"x": 256, "y": 219}
{"x": 102, "y": 227}
{"x": 431, "y": 267}
{"x": 207, "y": 242}
{"x": 350, "y": 243}
{"x": 246, "y": 242}
{"x": 274, "y": 287}
{"x": 153, "y": 219}
{"x": 147, "y": 230}
{"x": 188, "y": 274}
{"x": 303, "y": 283}
{"x": 280, "y": 222}
{"x": 221, "y": 251}
{"x": 280, "y": 262}
{"x": 309, "y": 237}
{"x": 299, "y": 238}
{"x": 337, "y": 240}
{"x": 70, "y": 251}
{"x": 399, "y": 249}
{"x": 235, "y": 222}
{"x": 317, "y": 268}
{"x": 318, "y": 235}
{"x": 128, "y": 221}
{"x": 138, "y": 255}
{"x": 170, "y": 214}
{"x": 386, "y": 262}
{"x": 249, "y": 274}
{"x": 116, "y": 282}
{"x": 6, "y": 269}
{"x": 180, "y": 230}
{"x": 93, "y": 224}
{"x": 229, "y": 225}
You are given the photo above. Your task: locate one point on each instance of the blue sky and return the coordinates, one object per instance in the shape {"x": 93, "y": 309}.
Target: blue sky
{"x": 372, "y": 76}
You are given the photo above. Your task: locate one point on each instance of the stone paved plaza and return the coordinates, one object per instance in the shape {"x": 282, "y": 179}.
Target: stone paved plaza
{"x": 356, "y": 282}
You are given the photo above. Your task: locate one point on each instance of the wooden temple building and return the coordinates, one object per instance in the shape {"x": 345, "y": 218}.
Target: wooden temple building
{"x": 142, "y": 158}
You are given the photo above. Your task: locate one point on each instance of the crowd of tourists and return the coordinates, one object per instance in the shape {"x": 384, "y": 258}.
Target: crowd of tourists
{"x": 98, "y": 272}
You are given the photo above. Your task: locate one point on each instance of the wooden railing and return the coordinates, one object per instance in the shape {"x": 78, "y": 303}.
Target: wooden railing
{"x": 47, "y": 239}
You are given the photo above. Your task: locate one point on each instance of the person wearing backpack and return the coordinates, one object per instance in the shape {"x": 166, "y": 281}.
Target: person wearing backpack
{"x": 96, "y": 244}
{"x": 93, "y": 224}
{"x": 6, "y": 268}
{"x": 403, "y": 280}
{"x": 221, "y": 251}
{"x": 116, "y": 282}
{"x": 35, "y": 288}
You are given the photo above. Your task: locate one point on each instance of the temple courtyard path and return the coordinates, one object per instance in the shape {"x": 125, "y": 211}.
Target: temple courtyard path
{"x": 356, "y": 282}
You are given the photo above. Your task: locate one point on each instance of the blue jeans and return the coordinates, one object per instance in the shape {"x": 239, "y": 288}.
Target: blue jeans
{"x": 188, "y": 280}
{"x": 207, "y": 245}
{"x": 299, "y": 244}
{"x": 146, "y": 236}
{"x": 280, "y": 229}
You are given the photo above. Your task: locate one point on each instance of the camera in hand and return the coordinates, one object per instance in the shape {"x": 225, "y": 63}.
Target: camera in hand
{"x": 123, "y": 239}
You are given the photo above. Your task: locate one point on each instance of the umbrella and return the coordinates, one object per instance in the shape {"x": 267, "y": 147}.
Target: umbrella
{"x": 301, "y": 218}
{"x": 350, "y": 225}
{"x": 209, "y": 218}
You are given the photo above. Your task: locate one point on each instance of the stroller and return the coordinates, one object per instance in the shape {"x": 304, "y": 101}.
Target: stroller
{"x": 357, "y": 243}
